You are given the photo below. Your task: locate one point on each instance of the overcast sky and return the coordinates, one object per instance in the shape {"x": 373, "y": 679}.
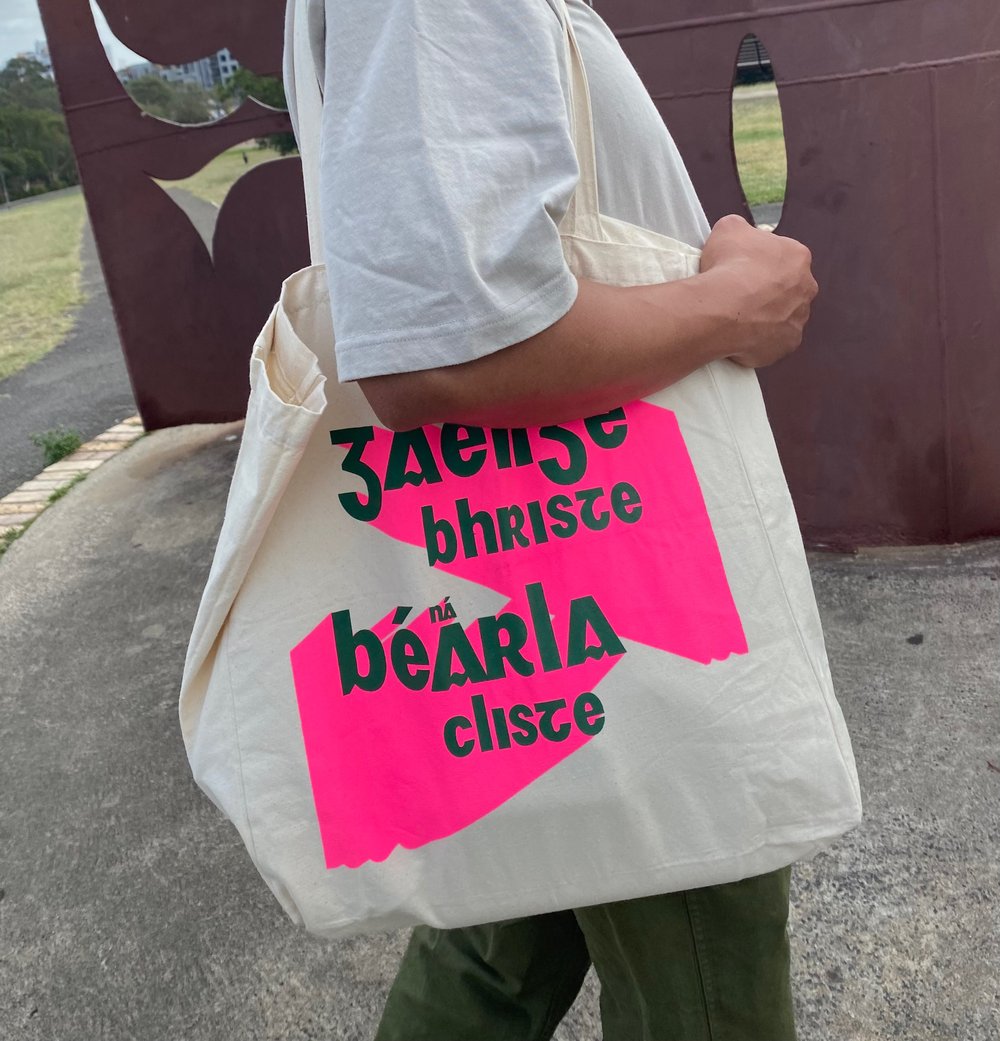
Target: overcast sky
{"x": 21, "y": 26}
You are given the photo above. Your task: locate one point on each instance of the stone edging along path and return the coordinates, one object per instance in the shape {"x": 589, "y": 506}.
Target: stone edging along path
{"x": 25, "y": 503}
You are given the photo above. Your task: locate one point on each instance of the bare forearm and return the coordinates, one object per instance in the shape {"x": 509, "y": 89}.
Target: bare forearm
{"x": 750, "y": 303}
{"x": 614, "y": 345}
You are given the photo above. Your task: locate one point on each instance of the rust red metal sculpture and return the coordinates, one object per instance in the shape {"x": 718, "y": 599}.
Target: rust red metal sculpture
{"x": 186, "y": 317}
{"x": 888, "y": 419}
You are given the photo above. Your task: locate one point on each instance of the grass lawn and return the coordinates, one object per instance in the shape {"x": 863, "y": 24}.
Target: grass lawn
{"x": 212, "y": 182}
{"x": 760, "y": 148}
{"x": 39, "y": 277}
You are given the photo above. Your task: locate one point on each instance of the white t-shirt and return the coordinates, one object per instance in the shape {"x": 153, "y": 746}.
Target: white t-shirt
{"x": 447, "y": 164}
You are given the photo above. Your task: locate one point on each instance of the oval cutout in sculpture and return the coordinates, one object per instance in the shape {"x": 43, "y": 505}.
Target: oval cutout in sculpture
{"x": 758, "y": 133}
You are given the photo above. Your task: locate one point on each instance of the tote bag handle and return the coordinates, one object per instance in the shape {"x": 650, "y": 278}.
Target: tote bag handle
{"x": 305, "y": 106}
{"x": 582, "y": 215}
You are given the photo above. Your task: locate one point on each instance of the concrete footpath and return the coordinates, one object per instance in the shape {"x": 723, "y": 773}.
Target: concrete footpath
{"x": 129, "y": 910}
{"x": 82, "y": 384}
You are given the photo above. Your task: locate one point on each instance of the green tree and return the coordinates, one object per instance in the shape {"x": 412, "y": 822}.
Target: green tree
{"x": 178, "y": 102}
{"x": 151, "y": 94}
{"x": 35, "y": 152}
{"x": 268, "y": 90}
{"x": 191, "y": 104}
{"x": 24, "y": 83}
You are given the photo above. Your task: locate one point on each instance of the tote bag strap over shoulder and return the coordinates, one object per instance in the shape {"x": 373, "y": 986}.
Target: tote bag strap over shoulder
{"x": 304, "y": 90}
{"x": 582, "y": 214}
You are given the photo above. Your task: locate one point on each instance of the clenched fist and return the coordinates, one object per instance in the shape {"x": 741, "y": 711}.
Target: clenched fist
{"x": 769, "y": 284}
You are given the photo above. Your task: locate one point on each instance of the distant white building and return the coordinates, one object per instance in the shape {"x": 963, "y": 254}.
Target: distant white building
{"x": 40, "y": 53}
{"x": 207, "y": 72}
{"x": 138, "y": 71}
{"x": 225, "y": 66}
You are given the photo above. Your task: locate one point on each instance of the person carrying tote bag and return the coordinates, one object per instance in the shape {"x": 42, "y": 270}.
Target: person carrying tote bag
{"x": 510, "y": 620}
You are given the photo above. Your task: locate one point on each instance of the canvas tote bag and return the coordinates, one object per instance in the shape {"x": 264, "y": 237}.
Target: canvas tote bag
{"x": 458, "y": 675}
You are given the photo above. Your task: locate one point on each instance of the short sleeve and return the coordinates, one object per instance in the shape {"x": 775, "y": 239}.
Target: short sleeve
{"x": 446, "y": 165}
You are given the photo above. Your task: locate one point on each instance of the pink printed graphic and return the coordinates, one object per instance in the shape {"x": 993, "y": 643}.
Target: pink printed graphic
{"x": 628, "y": 532}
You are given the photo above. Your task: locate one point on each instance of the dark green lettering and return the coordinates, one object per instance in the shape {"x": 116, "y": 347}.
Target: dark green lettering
{"x": 357, "y": 438}
{"x": 454, "y": 643}
{"x": 576, "y": 464}
{"x": 500, "y": 726}
{"x": 538, "y": 528}
{"x": 548, "y": 709}
{"x": 560, "y": 506}
{"x": 548, "y": 649}
{"x": 467, "y": 524}
{"x": 505, "y": 440}
{"x": 496, "y": 653}
{"x": 451, "y": 742}
{"x": 348, "y": 643}
{"x": 482, "y": 723}
{"x": 457, "y": 439}
{"x": 522, "y": 446}
{"x": 590, "y": 519}
{"x": 584, "y": 615}
{"x": 404, "y": 444}
{"x": 525, "y": 732}
{"x": 510, "y": 521}
{"x": 608, "y": 438}
{"x": 406, "y": 651}
{"x": 434, "y": 532}
{"x": 588, "y": 713}
{"x": 501, "y": 447}
{"x": 626, "y": 503}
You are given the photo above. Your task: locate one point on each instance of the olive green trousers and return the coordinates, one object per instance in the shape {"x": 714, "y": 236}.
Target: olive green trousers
{"x": 701, "y": 965}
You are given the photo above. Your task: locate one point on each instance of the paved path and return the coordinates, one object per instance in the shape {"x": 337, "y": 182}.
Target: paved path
{"x": 201, "y": 213}
{"x": 130, "y": 912}
{"x": 768, "y": 213}
{"x": 31, "y": 200}
{"x": 82, "y": 384}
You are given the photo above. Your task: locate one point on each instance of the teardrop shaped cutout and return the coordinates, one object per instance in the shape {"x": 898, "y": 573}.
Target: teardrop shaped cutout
{"x": 201, "y": 195}
{"x": 758, "y": 133}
